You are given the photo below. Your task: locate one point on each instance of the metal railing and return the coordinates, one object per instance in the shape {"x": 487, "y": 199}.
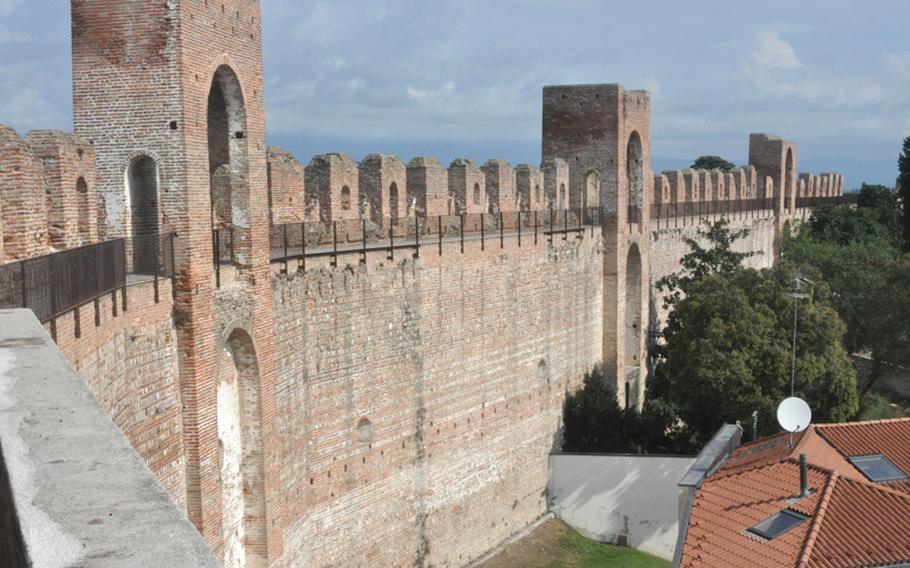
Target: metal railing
{"x": 293, "y": 243}
{"x": 55, "y": 284}
{"x": 297, "y": 242}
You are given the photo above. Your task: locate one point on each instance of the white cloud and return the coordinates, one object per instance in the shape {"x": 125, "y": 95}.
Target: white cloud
{"x": 775, "y": 53}
{"x": 352, "y": 86}
{"x": 431, "y": 97}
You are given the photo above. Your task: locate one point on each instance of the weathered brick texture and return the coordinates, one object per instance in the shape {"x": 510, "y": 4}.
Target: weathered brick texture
{"x": 460, "y": 364}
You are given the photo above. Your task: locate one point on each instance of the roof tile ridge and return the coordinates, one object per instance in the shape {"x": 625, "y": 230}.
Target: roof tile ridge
{"x": 863, "y": 422}
{"x": 721, "y": 474}
{"x": 881, "y": 487}
{"x": 815, "y": 529}
{"x": 803, "y": 440}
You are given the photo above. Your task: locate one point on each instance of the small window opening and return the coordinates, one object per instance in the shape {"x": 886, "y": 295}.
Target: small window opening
{"x": 346, "y": 198}
{"x": 173, "y": 125}
{"x": 778, "y": 524}
{"x": 878, "y": 468}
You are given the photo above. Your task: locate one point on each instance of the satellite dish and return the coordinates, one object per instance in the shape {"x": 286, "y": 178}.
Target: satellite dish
{"x": 794, "y": 415}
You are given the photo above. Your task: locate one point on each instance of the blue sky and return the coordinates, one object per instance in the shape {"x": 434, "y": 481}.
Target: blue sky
{"x": 463, "y": 78}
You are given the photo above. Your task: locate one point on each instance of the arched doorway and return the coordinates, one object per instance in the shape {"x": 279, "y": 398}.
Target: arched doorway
{"x": 228, "y": 163}
{"x": 592, "y": 190}
{"x": 83, "y": 211}
{"x": 240, "y": 445}
{"x": 632, "y": 357}
{"x": 635, "y": 174}
{"x": 142, "y": 178}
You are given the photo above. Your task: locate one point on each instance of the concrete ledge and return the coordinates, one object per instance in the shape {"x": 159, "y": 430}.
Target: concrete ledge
{"x": 82, "y": 495}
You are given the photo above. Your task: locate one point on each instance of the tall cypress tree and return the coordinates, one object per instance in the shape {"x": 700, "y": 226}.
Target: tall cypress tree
{"x": 903, "y": 165}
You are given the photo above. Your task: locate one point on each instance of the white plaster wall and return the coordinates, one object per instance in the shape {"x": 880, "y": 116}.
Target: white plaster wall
{"x": 605, "y": 497}
{"x": 231, "y": 480}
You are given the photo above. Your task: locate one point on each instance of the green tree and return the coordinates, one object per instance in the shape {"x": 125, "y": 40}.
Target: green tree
{"x": 711, "y": 163}
{"x": 716, "y": 257}
{"x": 903, "y": 180}
{"x": 594, "y": 422}
{"x": 730, "y": 353}
{"x": 855, "y": 251}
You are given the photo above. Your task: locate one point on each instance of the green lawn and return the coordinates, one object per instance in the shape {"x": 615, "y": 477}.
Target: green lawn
{"x": 555, "y": 545}
{"x": 580, "y": 552}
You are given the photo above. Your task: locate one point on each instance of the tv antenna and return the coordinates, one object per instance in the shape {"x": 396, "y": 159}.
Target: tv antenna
{"x": 794, "y": 416}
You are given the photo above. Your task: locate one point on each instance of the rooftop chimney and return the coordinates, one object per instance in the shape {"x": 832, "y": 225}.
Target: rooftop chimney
{"x": 803, "y": 475}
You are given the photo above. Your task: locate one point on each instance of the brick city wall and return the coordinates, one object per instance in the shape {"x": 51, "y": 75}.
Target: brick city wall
{"x": 129, "y": 361}
{"x": 418, "y": 401}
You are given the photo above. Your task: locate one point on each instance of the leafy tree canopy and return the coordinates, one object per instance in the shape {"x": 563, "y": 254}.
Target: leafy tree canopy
{"x": 715, "y": 257}
{"x": 712, "y": 162}
{"x": 730, "y": 353}
{"x": 903, "y": 181}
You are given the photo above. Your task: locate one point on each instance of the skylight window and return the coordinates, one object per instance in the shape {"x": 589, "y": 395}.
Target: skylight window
{"x": 778, "y": 524}
{"x": 878, "y": 468}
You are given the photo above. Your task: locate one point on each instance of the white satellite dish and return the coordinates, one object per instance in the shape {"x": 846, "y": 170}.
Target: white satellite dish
{"x": 794, "y": 415}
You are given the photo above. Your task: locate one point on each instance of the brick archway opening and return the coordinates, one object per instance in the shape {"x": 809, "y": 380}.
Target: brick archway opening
{"x": 633, "y": 325}
{"x": 142, "y": 179}
{"x": 228, "y": 156}
{"x": 240, "y": 453}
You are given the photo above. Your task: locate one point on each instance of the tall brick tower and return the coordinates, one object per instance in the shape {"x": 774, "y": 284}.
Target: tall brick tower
{"x": 603, "y": 131}
{"x": 170, "y": 95}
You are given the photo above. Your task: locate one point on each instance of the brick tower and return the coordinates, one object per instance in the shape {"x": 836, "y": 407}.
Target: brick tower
{"x": 603, "y": 133}
{"x": 170, "y": 95}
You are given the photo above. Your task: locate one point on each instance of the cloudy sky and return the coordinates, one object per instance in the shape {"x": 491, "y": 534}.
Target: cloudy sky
{"x": 463, "y": 78}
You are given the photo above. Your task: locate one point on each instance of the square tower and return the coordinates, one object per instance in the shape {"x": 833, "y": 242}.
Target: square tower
{"x": 170, "y": 95}
{"x": 603, "y": 133}
{"x": 775, "y": 158}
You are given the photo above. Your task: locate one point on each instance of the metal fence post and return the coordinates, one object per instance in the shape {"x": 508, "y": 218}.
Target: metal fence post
{"x": 155, "y": 271}
{"x": 461, "y": 220}
{"x": 217, "y": 258}
{"x": 302, "y": 264}
{"x": 502, "y": 237}
{"x": 519, "y": 228}
{"x": 482, "y": 232}
{"x": 335, "y": 244}
{"x": 363, "y": 234}
{"x": 439, "y": 230}
{"x": 417, "y": 236}
{"x": 284, "y": 236}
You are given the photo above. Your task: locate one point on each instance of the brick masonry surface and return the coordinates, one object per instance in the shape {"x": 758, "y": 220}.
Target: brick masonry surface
{"x": 459, "y": 364}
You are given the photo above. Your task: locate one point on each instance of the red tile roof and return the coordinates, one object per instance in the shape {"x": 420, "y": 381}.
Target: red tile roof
{"x": 852, "y": 522}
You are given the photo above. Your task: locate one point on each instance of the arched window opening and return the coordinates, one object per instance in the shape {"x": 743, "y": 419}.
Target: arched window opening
{"x": 476, "y": 194}
{"x": 788, "y": 181}
{"x": 592, "y": 190}
{"x": 365, "y": 431}
{"x": 633, "y": 320}
{"x": 241, "y": 457}
{"x": 634, "y": 169}
{"x": 543, "y": 375}
{"x": 393, "y": 202}
{"x": 228, "y": 162}
{"x": 365, "y": 208}
{"x": 83, "y": 211}
{"x": 345, "y": 198}
{"x": 562, "y": 196}
{"x": 537, "y": 195}
{"x": 142, "y": 178}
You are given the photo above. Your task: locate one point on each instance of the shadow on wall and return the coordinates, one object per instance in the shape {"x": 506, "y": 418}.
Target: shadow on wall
{"x": 12, "y": 547}
{"x": 627, "y": 500}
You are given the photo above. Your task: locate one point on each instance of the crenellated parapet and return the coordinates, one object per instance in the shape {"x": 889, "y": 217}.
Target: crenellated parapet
{"x": 383, "y": 186}
{"x": 529, "y": 186}
{"x": 47, "y": 193}
{"x": 333, "y": 181}
{"x": 555, "y": 182}
{"x": 501, "y": 194}
{"x": 287, "y": 189}
{"x": 466, "y": 187}
{"x": 428, "y": 187}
